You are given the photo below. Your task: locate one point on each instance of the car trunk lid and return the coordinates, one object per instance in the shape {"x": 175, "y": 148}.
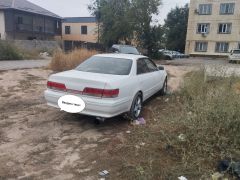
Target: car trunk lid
{"x": 76, "y": 81}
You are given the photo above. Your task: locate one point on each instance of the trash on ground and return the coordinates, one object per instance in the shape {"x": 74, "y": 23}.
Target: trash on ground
{"x": 137, "y": 147}
{"x": 182, "y": 137}
{"x": 166, "y": 100}
{"x": 103, "y": 173}
{"x": 142, "y": 144}
{"x": 217, "y": 176}
{"x": 128, "y": 132}
{"x": 182, "y": 178}
{"x": 139, "y": 121}
{"x": 230, "y": 166}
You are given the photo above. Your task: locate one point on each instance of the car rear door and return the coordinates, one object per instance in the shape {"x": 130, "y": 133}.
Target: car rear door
{"x": 145, "y": 78}
{"x": 156, "y": 76}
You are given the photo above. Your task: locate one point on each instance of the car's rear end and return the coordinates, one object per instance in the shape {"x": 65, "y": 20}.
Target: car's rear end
{"x": 101, "y": 92}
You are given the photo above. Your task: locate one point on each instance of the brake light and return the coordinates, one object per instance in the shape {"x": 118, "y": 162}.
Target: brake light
{"x": 104, "y": 93}
{"x": 110, "y": 93}
{"x": 93, "y": 92}
{"x": 56, "y": 86}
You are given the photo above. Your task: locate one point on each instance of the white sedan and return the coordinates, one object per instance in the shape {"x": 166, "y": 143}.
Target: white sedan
{"x": 109, "y": 84}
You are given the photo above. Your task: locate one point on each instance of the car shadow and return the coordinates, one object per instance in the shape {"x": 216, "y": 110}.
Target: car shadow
{"x": 84, "y": 120}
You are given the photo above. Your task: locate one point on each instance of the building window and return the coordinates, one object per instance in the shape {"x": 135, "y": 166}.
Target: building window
{"x": 224, "y": 28}
{"x": 239, "y": 45}
{"x": 67, "y": 30}
{"x": 201, "y": 46}
{"x": 84, "y": 30}
{"x": 205, "y": 9}
{"x": 203, "y": 28}
{"x": 227, "y": 8}
{"x": 222, "y": 47}
{"x": 20, "y": 20}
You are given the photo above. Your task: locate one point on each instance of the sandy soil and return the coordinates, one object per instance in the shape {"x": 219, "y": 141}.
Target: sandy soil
{"x": 39, "y": 142}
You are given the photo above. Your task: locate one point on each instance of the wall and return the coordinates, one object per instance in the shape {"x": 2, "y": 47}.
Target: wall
{"x": 76, "y": 32}
{"x": 214, "y": 20}
{"x": 2, "y": 25}
{"x": 37, "y": 45}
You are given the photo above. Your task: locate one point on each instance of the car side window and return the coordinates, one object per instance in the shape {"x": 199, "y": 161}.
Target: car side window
{"x": 151, "y": 65}
{"x": 141, "y": 67}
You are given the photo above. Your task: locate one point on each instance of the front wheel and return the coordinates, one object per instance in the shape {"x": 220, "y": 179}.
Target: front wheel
{"x": 136, "y": 107}
{"x": 164, "y": 89}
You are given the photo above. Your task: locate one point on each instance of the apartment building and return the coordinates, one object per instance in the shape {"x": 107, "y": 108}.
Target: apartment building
{"x": 23, "y": 20}
{"x": 213, "y": 27}
{"x": 79, "y": 31}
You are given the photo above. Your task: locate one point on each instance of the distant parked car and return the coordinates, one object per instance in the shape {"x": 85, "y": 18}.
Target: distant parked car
{"x": 109, "y": 84}
{"x": 170, "y": 55}
{"x": 124, "y": 49}
{"x": 234, "y": 56}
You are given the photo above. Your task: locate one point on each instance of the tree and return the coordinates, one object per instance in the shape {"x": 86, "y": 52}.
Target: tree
{"x": 141, "y": 13}
{"x": 113, "y": 16}
{"x": 126, "y": 20}
{"x": 176, "y": 28}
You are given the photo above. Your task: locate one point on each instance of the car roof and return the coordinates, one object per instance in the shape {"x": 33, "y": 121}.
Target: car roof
{"x": 122, "y": 56}
{"x": 122, "y": 45}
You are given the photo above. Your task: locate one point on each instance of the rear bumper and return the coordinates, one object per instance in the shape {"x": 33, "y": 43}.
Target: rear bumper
{"x": 105, "y": 108}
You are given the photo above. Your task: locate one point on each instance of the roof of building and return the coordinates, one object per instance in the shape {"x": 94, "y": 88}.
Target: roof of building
{"x": 26, "y": 6}
{"x": 79, "y": 20}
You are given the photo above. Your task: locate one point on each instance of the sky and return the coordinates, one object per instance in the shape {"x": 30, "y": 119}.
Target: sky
{"x": 78, "y": 8}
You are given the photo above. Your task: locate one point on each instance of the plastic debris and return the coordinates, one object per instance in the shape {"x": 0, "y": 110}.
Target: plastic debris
{"x": 139, "y": 121}
{"x": 217, "y": 176}
{"x": 166, "y": 100}
{"x": 137, "y": 146}
{"x": 182, "y": 137}
{"x": 142, "y": 144}
{"x": 182, "y": 178}
{"x": 230, "y": 166}
{"x": 128, "y": 132}
{"x": 103, "y": 173}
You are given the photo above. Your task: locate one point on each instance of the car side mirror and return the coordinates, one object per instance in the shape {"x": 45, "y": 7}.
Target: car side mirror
{"x": 161, "y": 68}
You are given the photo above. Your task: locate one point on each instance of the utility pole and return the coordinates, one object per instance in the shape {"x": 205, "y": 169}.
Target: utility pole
{"x": 98, "y": 19}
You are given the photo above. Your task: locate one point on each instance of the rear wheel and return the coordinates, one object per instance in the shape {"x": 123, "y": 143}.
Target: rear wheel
{"x": 164, "y": 89}
{"x": 136, "y": 107}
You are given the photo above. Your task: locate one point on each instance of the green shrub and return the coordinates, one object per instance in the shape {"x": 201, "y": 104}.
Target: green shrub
{"x": 9, "y": 51}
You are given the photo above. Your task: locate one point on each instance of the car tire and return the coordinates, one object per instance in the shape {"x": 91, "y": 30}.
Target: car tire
{"x": 136, "y": 107}
{"x": 164, "y": 89}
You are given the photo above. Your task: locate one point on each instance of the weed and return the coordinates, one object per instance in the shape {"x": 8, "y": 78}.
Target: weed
{"x": 207, "y": 111}
{"x": 62, "y": 61}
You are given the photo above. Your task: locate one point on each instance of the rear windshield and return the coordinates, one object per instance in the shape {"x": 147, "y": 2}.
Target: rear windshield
{"x": 128, "y": 50}
{"x": 106, "y": 65}
{"x": 236, "y": 51}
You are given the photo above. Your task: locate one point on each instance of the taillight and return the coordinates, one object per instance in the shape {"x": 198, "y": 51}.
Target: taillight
{"x": 56, "y": 86}
{"x": 105, "y": 93}
{"x": 110, "y": 93}
{"x": 93, "y": 92}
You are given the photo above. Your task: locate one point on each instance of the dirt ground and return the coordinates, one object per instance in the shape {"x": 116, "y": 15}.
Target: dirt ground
{"x": 40, "y": 142}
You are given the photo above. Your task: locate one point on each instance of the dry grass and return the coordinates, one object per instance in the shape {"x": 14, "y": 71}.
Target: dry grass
{"x": 65, "y": 61}
{"x": 206, "y": 112}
